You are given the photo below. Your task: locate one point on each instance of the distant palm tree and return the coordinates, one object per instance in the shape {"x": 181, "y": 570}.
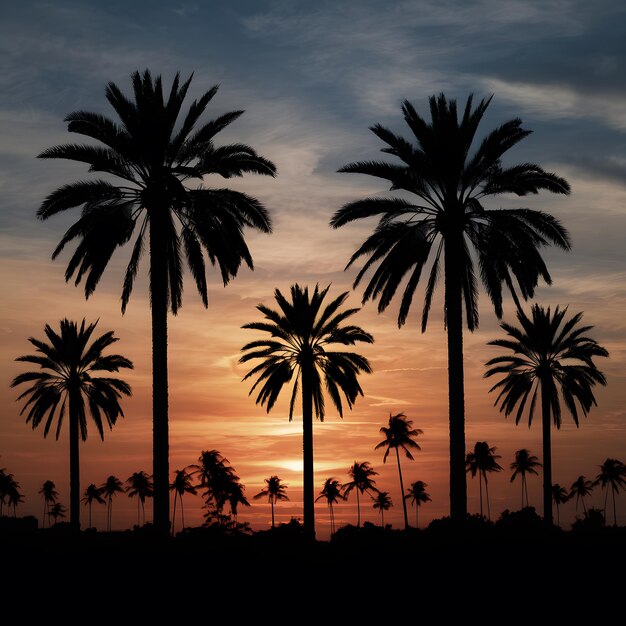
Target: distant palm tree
{"x": 383, "y": 503}
{"x": 92, "y": 494}
{"x": 399, "y": 434}
{"x": 66, "y": 382}
{"x": 149, "y": 157}
{"x": 581, "y": 488}
{"x": 551, "y": 358}
{"x": 57, "y": 511}
{"x": 525, "y": 463}
{"x": 362, "y": 481}
{"x": 417, "y": 493}
{"x": 331, "y": 492}
{"x": 111, "y": 486}
{"x": 236, "y": 497}
{"x": 274, "y": 491}
{"x": 14, "y": 495}
{"x": 50, "y": 495}
{"x": 140, "y": 484}
{"x": 180, "y": 486}
{"x": 5, "y": 481}
{"x": 217, "y": 478}
{"x": 481, "y": 461}
{"x": 612, "y": 476}
{"x": 443, "y": 220}
{"x": 560, "y": 496}
{"x": 302, "y": 333}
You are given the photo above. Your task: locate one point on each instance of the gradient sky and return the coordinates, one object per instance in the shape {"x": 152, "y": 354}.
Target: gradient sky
{"x": 312, "y": 78}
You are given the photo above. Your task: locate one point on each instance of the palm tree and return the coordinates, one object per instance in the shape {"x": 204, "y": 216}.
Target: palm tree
{"x": 612, "y": 475}
{"x": 236, "y": 497}
{"x": 417, "y": 493}
{"x": 5, "y": 486}
{"x": 274, "y": 491}
{"x": 180, "y": 486}
{"x": 560, "y": 496}
{"x": 111, "y": 486}
{"x": 57, "y": 511}
{"x": 140, "y": 484}
{"x": 581, "y": 488}
{"x": 154, "y": 157}
{"x": 92, "y": 494}
{"x": 13, "y": 494}
{"x": 399, "y": 434}
{"x": 331, "y": 492}
{"x": 481, "y": 461}
{"x": 444, "y": 219}
{"x": 382, "y": 501}
{"x": 216, "y": 477}
{"x": 362, "y": 481}
{"x": 524, "y": 463}
{"x": 552, "y": 358}
{"x": 302, "y": 333}
{"x": 50, "y": 495}
{"x": 67, "y": 382}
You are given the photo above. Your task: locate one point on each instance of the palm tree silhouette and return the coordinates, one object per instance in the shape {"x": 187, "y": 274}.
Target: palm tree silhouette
{"x": 67, "y": 382}
{"x": 362, "y": 481}
{"x": 236, "y": 497}
{"x": 140, "y": 484}
{"x": 481, "y": 461}
{"x": 399, "y": 434}
{"x": 217, "y": 478}
{"x": 581, "y": 488}
{"x": 111, "y": 486}
{"x": 524, "y": 463}
{"x": 383, "y": 503}
{"x": 92, "y": 494}
{"x": 154, "y": 157}
{"x": 274, "y": 491}
{"x": 13, "y": 494}
{"x": 180, "y": 486}
{"x": 551, "y": 358}
{"x": 302, "y": 333}
{"x": 50, "y": 495}
{"x": 560, "y": 496}
{"x": 612, "y": 476}
{"x": 445, "y": 218}
{"x": 331, "y": 492}
{"x": 417, "y": 493}
{"x": 57, "y": 511}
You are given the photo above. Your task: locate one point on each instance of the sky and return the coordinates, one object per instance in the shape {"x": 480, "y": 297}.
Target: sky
{"x": 312, "y": 78}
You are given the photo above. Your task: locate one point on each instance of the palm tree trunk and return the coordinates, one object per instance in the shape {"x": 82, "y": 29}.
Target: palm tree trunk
{"x": 487, "y": 497}
{"x": 358, "y": 509}
{"x": 307, "y": 451}
{"x": 272, "y": 503}
{"x": 174, "y": 513}
{"x": 480, "y": 491}
{"x": 614, "y": 509}
{"x": 406, "y": 517}
{"x": 74, "y": 463}
{"x": 90, "y": 515}
{"x": 182, "y": 512}
{"x": 547, "y": 454}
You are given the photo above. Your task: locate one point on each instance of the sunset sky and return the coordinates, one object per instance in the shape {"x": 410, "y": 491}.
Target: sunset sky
{"x": 312, "y": 78}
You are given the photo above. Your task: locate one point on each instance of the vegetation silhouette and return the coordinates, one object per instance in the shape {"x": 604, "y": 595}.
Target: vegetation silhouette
{"x": 68, "y": 382}
{"x": 180, "y": 486}
{"x": 57, "y": 512}
{"x": 302, "y": 333}
{"x": 140, "y": 484}
{"x": 382, "y": 502}
{"x": 612, "y": 477}
{"x": 399, "y": 434}
{"x": 481, "y": 461}
{"x": 153, "y": 159}
{"x": 418, "y": 496}
{"x": 362, "y": 481}
{"x": 50, "y": 495}
{"x": 445, "y": 218}
{"x": 92, "y": 494}
{"x": 111, "y": 486}
{"x": 331, "y": 492}
{"x": 559, "y": 496}
{"x": 274, "y": 491}
{"x": 581, "y": 488}
{"x": 525, "y": 463}
{"x": 552, "y": 358}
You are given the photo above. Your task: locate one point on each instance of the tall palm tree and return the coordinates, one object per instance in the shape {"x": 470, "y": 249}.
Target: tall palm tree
{"x": 67, "y": 382}
{"x": 331, "y": 492}
{"x": 581, "y": 488}
{"x": 482, "y": 461}
{"x": 108, "y": 489}
{"x": 140, "y": 484}
{"x": 443, "y": 219}
{"x": 417, "y": 493}
{"x": 273, "y": 491}
{"x": 382, "y": 502}
{"x": 50, "y": 495}
{"x": 552, "y": 359}
{"x": 92, "y": 494}
{"x": 399, "y": 434}
{"x": 156, "y": 161}
{"x": 303, "y": 332}
{"x": 362, "y": 481}
{"x": 180, "y": 486}
{"x": 560, "y": 496}
{"x": 57, "y": 511}
{"x": 612, "y": 476}
{"x": 525, "y": 463}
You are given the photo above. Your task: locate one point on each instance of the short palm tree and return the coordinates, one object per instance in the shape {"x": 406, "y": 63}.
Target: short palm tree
{"x": 362, "y": 481}
{"x": 273, "y": 491}
{"x": 560, "y": 496}
{"x": 216, "y": 477}
{"x": 331, "y": 492}
{"x": 581, "y": 488}
{"x": 302, "y": 334}
{"x": 483, "y": 461}
{"x": 552, "y": 360}
{"x": 382, "y": 502}
{"x": 399, "y": 434}
{"x": 612, "y": 476}
{"x": 57, "y": 512}
{"x": 50, "y": 495}
{"x": 92, "y": 494}
{"x": 418, "y": 496}
{"x": 14, "y": 495}
{"x": 525, "y": 463}
{"x": 441, "y": 221}
{"x": 150, "y": 154}
{"x": 68, "y": 381}
{"x": 180, "y": 486}
{"x": 140, "y": 484}
{"x": 112, "y": 485}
